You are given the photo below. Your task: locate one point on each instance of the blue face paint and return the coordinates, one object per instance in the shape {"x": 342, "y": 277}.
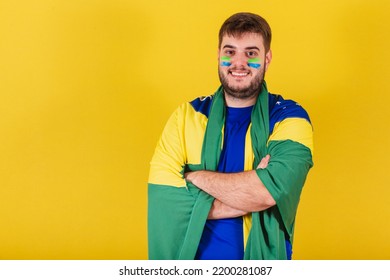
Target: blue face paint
{"x": 254, "y": 63}
{"x": 225, "y": 61}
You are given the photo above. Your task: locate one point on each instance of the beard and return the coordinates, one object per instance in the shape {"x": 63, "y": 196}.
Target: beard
{"x": 242, "y": 92}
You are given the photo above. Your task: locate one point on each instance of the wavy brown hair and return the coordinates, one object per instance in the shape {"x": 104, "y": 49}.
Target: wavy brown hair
{"x": 241, "y": 23}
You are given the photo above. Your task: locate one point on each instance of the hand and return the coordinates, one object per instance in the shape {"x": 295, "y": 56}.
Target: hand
{"x": 264, "y": 162}
{"x": 188, "y": 176}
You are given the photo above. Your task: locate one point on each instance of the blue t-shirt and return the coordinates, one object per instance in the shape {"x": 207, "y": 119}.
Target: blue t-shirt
{"x": 223, "y": 239}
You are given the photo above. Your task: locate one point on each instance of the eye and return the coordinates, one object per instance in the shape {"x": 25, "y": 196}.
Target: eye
{"x": 229, "y": 52}
{"x": 251, "y": 54}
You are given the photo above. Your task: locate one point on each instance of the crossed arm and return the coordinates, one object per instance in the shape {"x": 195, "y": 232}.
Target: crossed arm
{"x": 236, "y": 194}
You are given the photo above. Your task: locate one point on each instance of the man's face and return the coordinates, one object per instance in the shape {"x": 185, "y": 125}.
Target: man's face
{"x": 242, "y": 64}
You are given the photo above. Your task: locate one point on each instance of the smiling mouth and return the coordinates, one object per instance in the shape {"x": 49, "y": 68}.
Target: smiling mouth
{"x": 238, "y": 74}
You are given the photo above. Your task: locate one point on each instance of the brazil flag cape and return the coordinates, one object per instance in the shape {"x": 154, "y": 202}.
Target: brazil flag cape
{"x": 177, "y": 216}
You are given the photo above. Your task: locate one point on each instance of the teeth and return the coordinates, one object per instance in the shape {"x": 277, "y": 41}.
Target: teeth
{"x": 239, "y": 74}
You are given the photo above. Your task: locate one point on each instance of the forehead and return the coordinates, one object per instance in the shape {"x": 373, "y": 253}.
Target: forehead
{"x": 243, "y": 40}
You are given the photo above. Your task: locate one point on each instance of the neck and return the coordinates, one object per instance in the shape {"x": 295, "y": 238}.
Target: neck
{"x": 239, "y": 102}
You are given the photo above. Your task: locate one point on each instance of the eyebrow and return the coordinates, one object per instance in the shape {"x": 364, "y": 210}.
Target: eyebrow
{"x": 247, "y": 48}
{"x": 252, "y": 48}
{"x": 229, "y": 46}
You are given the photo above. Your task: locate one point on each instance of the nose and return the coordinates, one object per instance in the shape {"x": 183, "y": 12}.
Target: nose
{"x": 239, "y": 60}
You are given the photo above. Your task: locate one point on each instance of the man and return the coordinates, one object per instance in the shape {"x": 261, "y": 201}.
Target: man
{"x": 227, "y": 173}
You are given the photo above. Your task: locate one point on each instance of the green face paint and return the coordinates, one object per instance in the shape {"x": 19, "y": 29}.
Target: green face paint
{"x": 253, "y": 62}
{"x": 225, "y": 61}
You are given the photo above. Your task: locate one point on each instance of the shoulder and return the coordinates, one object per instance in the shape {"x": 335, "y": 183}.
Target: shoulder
{"x": 197, "y": 108}
{"x": 202, "y": 104}
{"x": 289, "y": 121}
{"x": 281, "y": 109}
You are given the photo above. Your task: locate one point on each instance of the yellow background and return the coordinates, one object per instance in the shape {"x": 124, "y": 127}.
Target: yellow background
{"x": 86, "y": 87}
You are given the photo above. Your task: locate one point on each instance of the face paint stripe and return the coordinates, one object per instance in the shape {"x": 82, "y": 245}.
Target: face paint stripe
{"x": 225, "y": 61}
{"x": 253, "y": 60}
{"x": 254, "y": 65}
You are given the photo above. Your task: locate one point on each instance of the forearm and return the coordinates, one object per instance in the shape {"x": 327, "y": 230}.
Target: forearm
{"x": 243, "y": 191}
{"x": 219, "y": 210}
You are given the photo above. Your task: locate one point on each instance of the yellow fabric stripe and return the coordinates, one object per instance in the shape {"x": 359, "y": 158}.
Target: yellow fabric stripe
{"x": 194, "y": 134}
{"x": 181, "y": 142}
{"x": 248, "y": 165}
{"x": 295, "y": 129}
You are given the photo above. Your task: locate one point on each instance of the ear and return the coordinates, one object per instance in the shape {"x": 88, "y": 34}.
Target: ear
{"x": 268, "y": 58}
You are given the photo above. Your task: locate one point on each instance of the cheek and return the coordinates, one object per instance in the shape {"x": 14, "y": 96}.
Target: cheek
{"x": 225, "y": 63}
{"x": 254, "y": 63}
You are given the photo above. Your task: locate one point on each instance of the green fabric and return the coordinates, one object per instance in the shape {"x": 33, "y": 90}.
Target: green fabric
{"x": 285, "y": 174}
{"x": 176, "y": 216}
{"x": 169, "y": 213}
{"x": 211, "y": 151}
{"x": 284, "y": 178}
